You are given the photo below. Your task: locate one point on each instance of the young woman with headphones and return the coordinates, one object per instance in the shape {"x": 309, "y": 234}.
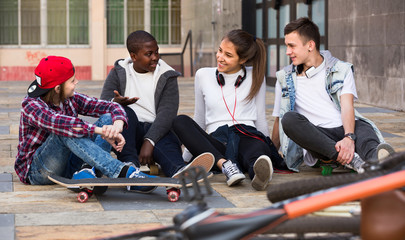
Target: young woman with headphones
{"x": 230, "y": 113}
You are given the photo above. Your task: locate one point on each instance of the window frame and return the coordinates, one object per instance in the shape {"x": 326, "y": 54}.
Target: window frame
{"x": 43, "y": 8}
{"x": 147, "y": 23}
{"x": 278, "y": 41}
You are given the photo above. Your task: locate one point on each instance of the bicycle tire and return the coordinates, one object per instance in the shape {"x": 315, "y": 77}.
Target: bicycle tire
{"x": 280, "y": 192}
{"x": 393, "y": 161}
{"x": 318, "y": 224}
{"x": 297, "y": 188}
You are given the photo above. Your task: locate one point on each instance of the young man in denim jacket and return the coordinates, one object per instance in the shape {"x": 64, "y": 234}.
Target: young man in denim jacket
{"x": 314, "y": 106}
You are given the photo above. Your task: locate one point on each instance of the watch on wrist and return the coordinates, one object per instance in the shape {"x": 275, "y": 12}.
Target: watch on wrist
{"x": 352, "y": 136}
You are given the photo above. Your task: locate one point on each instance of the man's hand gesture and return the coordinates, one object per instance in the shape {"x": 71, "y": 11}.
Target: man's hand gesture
{"x": 124, "y": 101}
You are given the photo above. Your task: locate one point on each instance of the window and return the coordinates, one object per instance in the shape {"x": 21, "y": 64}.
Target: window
{"x": 272, "y": 16}
{"x": 8, "y": 22}
{"x": 30, "y": 22}
{"x": 159, "y": 17}
{"x": 78, "y": 22}
{"x": 62, "y": 22}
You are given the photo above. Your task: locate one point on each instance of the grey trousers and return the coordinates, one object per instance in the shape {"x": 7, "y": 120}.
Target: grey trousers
{"x": 320, "y": 142}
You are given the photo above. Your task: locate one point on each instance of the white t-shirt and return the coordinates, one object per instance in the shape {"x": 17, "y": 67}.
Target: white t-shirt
{"x": 142, "y": 85}
{"x": 214, "y": 107}
{"x": 312, "y": 100}
{"x": 314, "y": 103}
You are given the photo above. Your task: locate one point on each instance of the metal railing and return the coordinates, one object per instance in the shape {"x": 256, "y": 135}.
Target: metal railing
{"x": 181, "y": 54}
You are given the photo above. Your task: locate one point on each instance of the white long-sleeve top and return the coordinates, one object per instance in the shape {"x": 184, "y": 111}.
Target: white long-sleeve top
{"x": 211, "y": 103}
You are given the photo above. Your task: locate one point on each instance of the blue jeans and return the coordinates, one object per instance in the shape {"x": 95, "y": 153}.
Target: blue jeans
{"x": 167, "y": 151}
{"x": 57, "y": 153}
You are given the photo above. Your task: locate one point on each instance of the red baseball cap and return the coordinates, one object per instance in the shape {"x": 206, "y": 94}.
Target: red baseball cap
{"x": 50, "y": 72}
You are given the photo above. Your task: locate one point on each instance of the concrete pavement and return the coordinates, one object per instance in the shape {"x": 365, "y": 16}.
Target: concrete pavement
{"x": 52, "y": 212}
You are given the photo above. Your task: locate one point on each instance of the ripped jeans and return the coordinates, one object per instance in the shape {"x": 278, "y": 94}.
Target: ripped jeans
{"x": 57, "y": 153}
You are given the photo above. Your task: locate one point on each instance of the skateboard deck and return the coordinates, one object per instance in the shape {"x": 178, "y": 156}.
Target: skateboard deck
{"x": 86, "y": 187}
{"x": 115, "y": 182}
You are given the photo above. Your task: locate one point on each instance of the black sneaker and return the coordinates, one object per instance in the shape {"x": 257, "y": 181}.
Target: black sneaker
{"x": 232, "y": 173}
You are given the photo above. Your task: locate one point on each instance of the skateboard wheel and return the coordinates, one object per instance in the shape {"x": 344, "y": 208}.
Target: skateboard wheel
{"x": 82, "y": 197}
{"x": 326, "y": 170}
{"x": 153, "y": 169}
{"x": 173, "y": 194}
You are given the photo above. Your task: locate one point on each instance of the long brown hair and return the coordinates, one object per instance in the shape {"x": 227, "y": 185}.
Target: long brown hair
{"x": 251, "y": 49}
{"x": 49, "y": 96}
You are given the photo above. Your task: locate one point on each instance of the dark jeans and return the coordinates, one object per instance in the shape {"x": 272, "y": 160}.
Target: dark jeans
{"x": 197, "y": 141}
{"x": 167, "y": 151}
{"x": 320, "y": 142}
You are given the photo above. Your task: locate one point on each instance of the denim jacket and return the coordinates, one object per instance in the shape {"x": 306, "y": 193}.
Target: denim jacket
{"x": 336, "y": 71}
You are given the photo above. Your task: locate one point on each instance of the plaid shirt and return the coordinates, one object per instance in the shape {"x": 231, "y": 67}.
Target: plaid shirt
{"x": 38, "y": 120}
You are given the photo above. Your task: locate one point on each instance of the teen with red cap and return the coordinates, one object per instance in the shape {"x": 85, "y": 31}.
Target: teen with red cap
{"x": 51, "y": 135}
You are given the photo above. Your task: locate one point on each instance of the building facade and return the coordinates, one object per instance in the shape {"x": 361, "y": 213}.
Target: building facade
{"x": 368, "y": 33}
{"x": 92, "y": 33}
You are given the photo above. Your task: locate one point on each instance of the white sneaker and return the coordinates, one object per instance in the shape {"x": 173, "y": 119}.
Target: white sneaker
{"x": 205, "y": 160}
{"x": 356, "y": 164}
{"x": 263, "y": 169}
{"x": 232, "y": 173}
{"x": 384, "y": 150}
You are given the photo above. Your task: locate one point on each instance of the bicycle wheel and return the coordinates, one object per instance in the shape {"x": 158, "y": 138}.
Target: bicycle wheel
{"x": 280, "y": 192}
{"x": 297, "y": 188}
{"x": 318, "y": 224}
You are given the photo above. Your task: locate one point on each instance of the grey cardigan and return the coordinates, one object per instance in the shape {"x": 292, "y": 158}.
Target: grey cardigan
{"x": 166, "y": 96}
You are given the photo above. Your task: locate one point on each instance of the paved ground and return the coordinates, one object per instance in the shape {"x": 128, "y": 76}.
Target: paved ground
{"x": 52, "y": 212}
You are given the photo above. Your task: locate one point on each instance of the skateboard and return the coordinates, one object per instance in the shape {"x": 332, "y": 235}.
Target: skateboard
{"x": 87, "y": 187}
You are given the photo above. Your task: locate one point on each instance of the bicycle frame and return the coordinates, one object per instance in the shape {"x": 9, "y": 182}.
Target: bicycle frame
{"x": 244, "y": 226}
{"x": 202, "y": 223}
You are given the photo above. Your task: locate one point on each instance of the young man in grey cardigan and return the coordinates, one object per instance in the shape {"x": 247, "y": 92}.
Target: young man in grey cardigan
{"x": 147, "y": 88}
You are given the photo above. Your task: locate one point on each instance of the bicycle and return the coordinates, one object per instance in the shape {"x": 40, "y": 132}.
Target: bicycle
{"x": 202, "y": 223}
{"x": 292, "y": 189}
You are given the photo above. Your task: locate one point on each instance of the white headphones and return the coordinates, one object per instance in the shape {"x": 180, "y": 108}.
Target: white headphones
{"x": 312, "y": 71}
